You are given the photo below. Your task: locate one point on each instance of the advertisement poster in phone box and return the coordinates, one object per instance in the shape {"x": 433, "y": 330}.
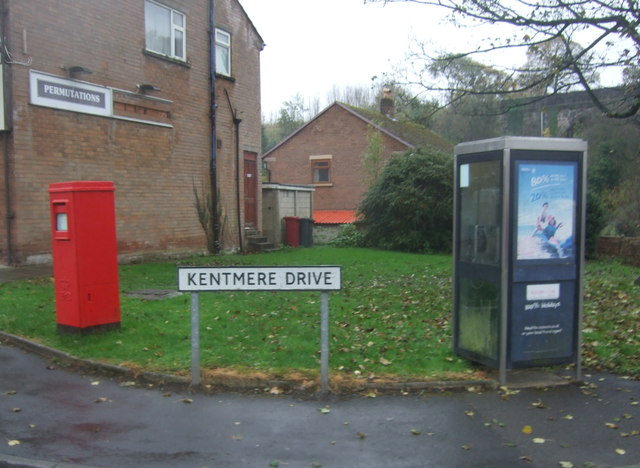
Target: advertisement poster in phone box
{"x": 546, "y": 210}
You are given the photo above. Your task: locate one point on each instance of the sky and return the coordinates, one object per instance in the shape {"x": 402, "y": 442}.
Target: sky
{"x": 313, "y": 46}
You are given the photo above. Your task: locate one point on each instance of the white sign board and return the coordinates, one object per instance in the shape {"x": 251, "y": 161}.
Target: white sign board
{"x": 284, "y": 278}
{"x": 66, "y": 94}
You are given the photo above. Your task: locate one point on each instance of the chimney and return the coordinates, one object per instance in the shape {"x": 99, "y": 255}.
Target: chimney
{"x": 386, "y": 103}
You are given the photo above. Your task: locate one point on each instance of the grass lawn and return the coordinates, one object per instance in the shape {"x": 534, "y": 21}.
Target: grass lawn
{"x": 392, "y": 317}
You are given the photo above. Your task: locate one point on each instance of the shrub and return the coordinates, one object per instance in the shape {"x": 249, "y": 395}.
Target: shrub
{"x": 348, "y": 236}
{"x": 410, "y": 207}
{"x": 595, "y": 223}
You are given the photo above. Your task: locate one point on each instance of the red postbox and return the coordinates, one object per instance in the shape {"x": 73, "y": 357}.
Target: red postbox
{"x": 85, "y": 256}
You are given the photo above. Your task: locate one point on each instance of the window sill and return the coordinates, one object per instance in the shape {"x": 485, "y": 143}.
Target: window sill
{"x": 322, "y": 184}
{"x": 225, "y": 77}
{"x": 166, "y": 58}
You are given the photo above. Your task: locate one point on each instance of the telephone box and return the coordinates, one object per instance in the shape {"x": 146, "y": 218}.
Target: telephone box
{"x": 519, "y": 225}
{"x": 85, "y": 265}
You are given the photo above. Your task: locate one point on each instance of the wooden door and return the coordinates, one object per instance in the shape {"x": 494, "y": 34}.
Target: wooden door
{"x": 250, "y": 189}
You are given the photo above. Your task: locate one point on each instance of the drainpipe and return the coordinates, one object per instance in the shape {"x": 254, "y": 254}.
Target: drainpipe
{"x": 236, "y": 125}
{"x": 6, "y": 147}
{"x": 215, "y": 221}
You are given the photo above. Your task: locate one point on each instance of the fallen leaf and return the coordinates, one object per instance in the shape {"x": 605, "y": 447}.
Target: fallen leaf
{"x": 276, "y": 391}
{"x": 102, "y": 400}
{"x": 466, "y": 447}
{"x": 526, "y": 458}
{"x": 187, "y": 401}
{"x": 538, "y": 404}
{"x": 567, "y": 416}
{"x": 237, "y": 437}
{"x": 527, "y": 430}
{"x": 12, "y": 443}
{"x": 415, "y": 432}
{"x": 95, "y": 382}
{"x": 539, "y": 440}
{"x": 16, "y": 410}
{"x": 11, "y": 392}
{"x": 510, "y": 444}
{"x": 470, "y": 413}
{"x": 620, "y": 451}
{"x": 361, "y": 435}
{"x": 324, "y": 410}
{"x": 385, "y": 362}
{"x": 611, "y": 425}
{"x": 566, "y": 464}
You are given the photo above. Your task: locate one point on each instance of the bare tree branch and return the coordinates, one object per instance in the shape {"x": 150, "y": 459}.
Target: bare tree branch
{"x": 612, "y": 23}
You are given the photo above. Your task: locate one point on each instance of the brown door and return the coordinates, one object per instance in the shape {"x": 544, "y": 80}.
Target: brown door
{"x": 250, "y": 188}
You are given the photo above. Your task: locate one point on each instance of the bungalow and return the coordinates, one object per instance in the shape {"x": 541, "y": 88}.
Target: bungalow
{"x": 329, "y": 154}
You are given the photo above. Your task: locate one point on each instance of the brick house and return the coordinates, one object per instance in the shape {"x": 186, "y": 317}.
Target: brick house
{"x": 120, "y": 90}
{"x": 327, "y": 153}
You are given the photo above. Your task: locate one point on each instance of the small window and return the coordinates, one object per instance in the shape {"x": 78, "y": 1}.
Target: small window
{"x": 320, "y": 171}
{"x": 165, "y": 30}
{"x": 223, "y": 52}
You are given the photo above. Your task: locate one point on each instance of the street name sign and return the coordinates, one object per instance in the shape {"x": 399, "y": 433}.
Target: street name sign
{"x": 274, "y": 278}
{"x": 259, "y": 278}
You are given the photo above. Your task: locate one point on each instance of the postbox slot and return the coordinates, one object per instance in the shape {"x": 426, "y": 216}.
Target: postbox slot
{"x": 61, "y": 220}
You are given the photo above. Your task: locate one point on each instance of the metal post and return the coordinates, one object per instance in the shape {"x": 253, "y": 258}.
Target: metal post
{"x": 505, "y": 279}
{"x": 324, "y": 342}
{"x": 195, "y": 339}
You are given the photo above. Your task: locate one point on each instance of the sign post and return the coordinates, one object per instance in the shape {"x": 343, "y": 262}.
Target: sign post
{"x": 278, "y": 278}
{"x": 195, "y": 339}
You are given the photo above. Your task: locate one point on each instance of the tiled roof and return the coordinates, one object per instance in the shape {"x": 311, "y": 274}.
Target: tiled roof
{"x": 334, "y": 216}
{"x": 410, "y": 132}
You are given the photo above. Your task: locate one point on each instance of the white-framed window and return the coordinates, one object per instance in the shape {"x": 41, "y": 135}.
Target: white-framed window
{"x": 223, "y": 52}
{"x": 165, "y": 30}
{"x": 320, "y": 169}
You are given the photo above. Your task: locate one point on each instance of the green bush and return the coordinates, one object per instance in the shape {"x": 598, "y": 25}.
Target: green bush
{"x": 348, "y": 236}
{"x": 595, "y": 223}
{"x": 410, "y": 207}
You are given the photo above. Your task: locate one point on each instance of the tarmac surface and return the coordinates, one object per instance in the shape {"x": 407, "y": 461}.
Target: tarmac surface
{"x": 51, "y": 416}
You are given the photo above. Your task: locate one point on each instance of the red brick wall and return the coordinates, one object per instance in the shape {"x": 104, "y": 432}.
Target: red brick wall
{"x": 625, "y": 248}
{"x": 345, "y": 137}
{"x": 153, "y": 167}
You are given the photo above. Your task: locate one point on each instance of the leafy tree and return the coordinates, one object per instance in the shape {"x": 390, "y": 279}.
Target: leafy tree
{"x": 468, "y": 115}
{"x": 546, "y": 72}
{"x": 610, "y": 28}
{"x": 410, "y": 207}
{"x": 373, "y": 159}
{"x": 595, "y": 222}
{"x": 614, "y": 165}
{"x": 290, "y": 117}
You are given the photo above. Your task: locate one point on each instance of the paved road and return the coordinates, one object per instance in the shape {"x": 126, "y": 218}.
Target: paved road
{"x": 64, "y": 417}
